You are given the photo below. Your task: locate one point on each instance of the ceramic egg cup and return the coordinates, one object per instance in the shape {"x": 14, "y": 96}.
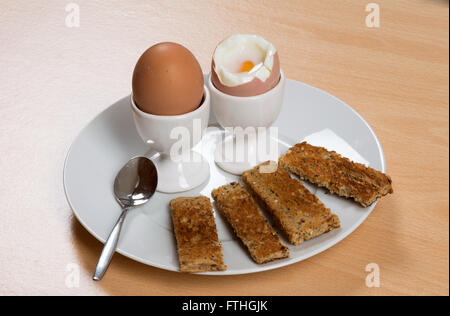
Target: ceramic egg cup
{"x": 176, "y": 172}
{"x": 240, "y": 113}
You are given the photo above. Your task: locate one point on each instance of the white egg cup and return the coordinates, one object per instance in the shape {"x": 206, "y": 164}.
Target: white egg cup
{"x": 240, "y": 113}
{"x": 173, "y": 137}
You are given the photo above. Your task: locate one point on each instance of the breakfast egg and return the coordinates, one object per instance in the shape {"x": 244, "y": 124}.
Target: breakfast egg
{"x": 167, "y": 80}
{"x": 245, "y": 65}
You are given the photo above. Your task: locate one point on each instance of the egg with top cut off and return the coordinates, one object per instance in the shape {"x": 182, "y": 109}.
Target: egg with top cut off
{"x": 245, "y": 65}
{"x": 167, "y": 80}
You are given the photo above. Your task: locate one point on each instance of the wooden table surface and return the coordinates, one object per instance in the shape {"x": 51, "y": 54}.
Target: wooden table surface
{"x": 56, "y": 78}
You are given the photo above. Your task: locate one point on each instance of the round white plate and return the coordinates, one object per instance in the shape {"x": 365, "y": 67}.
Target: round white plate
{"x": 110, "y": 140}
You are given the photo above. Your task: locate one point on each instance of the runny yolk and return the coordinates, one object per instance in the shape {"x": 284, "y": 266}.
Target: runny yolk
{"x": 247, "y": 66}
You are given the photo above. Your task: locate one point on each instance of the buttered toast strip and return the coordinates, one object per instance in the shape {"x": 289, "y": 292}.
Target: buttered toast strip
{"x": 336, "y": 173}
{"x": 297, "y": 211}
{"x": 248, "y": 223}
{"x": 195, "y": 230}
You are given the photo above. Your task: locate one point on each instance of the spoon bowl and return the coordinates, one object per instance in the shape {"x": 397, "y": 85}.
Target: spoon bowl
{"x": 136, "y": 182}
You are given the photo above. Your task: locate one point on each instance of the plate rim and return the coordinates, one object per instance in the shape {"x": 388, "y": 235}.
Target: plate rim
{"x": 275, "y": 265}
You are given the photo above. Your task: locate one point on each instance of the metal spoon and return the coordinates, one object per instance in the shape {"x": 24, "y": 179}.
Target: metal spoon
{"x": 134, "y": 185}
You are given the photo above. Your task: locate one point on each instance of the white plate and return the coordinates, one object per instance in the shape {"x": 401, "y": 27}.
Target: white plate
{"x": 110, "y": 140}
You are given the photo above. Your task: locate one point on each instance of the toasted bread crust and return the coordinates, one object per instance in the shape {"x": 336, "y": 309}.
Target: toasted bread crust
{"x": 336, "y": 173}
{"x": 195, "y": 230}
{"x": 297, "y": 212}
{"x": 248, "y": 223}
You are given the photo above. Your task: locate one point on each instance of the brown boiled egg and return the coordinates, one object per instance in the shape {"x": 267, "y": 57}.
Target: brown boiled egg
{"x": 245, "y": 65}
{"x": 167, "y": 80}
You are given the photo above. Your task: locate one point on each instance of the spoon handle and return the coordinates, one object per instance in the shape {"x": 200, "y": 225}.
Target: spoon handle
{"x": 109, "y": 249}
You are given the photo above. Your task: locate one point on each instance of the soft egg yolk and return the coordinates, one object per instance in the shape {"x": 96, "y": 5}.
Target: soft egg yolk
{"x": 247, "y": 66}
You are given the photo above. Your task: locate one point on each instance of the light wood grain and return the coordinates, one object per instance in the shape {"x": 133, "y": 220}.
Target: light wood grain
{"x": 55, "y": 79}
